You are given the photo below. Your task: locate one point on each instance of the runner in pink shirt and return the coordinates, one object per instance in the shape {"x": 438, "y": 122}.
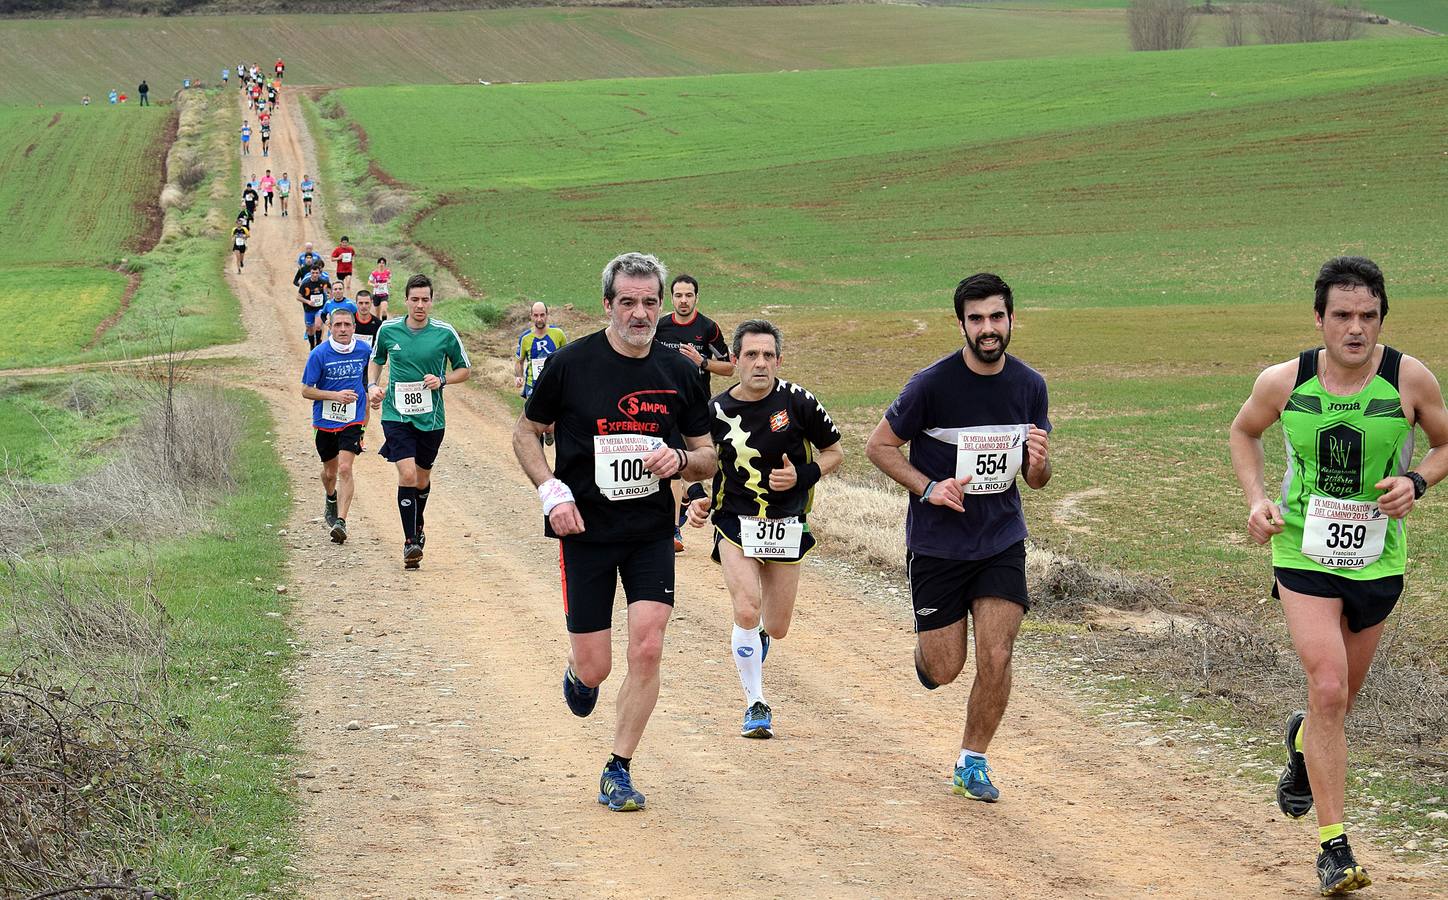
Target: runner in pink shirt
{"x": 268, "y": 188}
{"x": 381, "y": 283}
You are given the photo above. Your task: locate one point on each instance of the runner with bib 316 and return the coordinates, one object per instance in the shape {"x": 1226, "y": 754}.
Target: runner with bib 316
{"x": 974, "y": 421}
{"x": 1339, "y": 546}
{"x": 775, "y": 442}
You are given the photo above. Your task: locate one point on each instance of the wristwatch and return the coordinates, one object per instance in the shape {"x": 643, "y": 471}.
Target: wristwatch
{"x": 925, "y": 494}
{"x": 1420, "y": 484}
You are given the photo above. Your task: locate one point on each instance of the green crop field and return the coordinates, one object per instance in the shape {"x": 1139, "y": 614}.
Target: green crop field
{"x": 55, "y": 62}
{"x": 57, "y": 311}
{"x": 1430, "y": 14}
{"x": 1160, "y": 216}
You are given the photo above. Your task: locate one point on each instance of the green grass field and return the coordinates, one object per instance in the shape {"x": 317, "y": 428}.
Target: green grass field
{"x": 1430, "y": 14}
{"x": 56, "y": 429}
{"x": 55, "y": 62}
{"x": 1160, "y": 217}
{"x": 64, "y": 305}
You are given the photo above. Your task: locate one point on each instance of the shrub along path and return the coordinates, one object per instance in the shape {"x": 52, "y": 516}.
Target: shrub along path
{"x": 466, "y": 773}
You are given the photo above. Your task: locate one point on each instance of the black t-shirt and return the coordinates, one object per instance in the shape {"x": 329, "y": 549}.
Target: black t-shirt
{"x": 368, "y": 329}
{"x": 702, "y": 333}
{"x": 314, "y": 291}
{"x": 609, "y": 409}
{"x": 752, "y": 438}
{"x": 939, "y": 404}
{"x": 250, "y": 196}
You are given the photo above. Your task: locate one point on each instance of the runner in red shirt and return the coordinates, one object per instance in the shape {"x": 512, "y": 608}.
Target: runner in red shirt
{"x": 343, "y": 254}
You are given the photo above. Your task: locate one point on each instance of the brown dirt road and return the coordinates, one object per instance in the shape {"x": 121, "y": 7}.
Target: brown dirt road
{"x": 469, "y": 777}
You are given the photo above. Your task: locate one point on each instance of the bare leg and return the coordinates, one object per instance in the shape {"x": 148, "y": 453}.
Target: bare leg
{"x": 996, "y": 623}
{"x": 780, "y": 583}
{"x": 647, "y": 620}
{"x": 941, "y": 652}
{"x": 329, "y": 476}
{"x": 344, "y": 482}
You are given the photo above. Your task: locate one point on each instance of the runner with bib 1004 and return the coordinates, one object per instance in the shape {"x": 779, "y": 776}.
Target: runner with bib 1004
{"x": 974, "y": 420}
{"x": 613, "y": 397}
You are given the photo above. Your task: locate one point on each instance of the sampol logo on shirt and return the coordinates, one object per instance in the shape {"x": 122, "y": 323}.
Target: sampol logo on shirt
{"x": 779, "y": 421}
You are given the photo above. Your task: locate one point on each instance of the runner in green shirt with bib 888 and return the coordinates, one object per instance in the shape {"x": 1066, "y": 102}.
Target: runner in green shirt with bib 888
{"x": 417, "y": 351}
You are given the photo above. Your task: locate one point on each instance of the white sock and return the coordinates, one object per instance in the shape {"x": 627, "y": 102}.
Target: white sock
{"x": 967, "y": 754}
{"x": 747, "y": 650}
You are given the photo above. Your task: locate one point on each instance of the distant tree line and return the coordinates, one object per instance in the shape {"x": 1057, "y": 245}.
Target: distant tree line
{"x": 1172, "y": 24}
{"x": 64, "y": 8}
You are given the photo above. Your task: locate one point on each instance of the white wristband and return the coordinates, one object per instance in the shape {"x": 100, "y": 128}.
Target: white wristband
{"x": 553, "y": 492}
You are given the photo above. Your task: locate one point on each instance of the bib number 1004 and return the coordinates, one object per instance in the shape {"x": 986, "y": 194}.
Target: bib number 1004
{"x": 618, "y": 465}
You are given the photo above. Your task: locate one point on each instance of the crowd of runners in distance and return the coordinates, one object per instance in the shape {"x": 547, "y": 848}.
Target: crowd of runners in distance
{"x": 642, "y": 446}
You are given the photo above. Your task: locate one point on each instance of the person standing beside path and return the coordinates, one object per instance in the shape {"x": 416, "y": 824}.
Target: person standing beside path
{"x": 335, "y": 381}
{"x": 1338, "y": 536}
{"x": 767, "y": 433}
{"x": 613, "y": 397}
{"x": 698, "y": 339}
{"x": 343, "y": 254}
{"x": 973, "y": 421}
{"x": 144, "y": 92}
{"x": 417, "y": 351}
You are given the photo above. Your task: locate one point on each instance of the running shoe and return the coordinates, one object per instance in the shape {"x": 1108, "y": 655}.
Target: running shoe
{"x": 339, "y": 531}
{"x": 758, "y": 721}
{"x": 616, "y": 790}
{"x": 329, "y": 511}
{"x": 1294, "y": 791}
{"x": 678, "y": 541}
{"x": 764, "y": 644}
{"x": 973, "y": 780}
{"x": 1337, "y": 871}
{"x": 411, "y": 556}
{"x": 579, "y": 696}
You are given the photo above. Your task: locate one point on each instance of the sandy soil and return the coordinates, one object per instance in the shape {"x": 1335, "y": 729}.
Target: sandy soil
{"x": 469, "y": 777}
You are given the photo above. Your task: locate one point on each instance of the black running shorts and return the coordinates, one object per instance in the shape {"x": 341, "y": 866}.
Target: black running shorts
{"x": 591, "y": 571}
{"x": 726, "y": 528}
{"x": 1365, "y": 603}
{"x": 942, "y": 590}
{"x": 403, "y": 440}
{"x": 330, "y": 443}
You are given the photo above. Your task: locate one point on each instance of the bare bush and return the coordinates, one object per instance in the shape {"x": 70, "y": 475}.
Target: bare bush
{"x": 1161, "y": 24}
{"x": 1235, "y": 34}
{"x": 1308, "y": 21}
{"x": 80, "y": 775}
{"x": 386, "y": 204}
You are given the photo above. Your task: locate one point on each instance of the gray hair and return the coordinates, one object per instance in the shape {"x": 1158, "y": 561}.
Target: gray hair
{"x": 757, "y": 326}
{"x": 636, "y": 264}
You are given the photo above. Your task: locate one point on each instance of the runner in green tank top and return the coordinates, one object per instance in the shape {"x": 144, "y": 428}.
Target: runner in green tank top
{"x": 1339, "y": 544}
{"x": 417, "y": 351}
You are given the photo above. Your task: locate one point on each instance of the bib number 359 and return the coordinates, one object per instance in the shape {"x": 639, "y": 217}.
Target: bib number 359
{"x": 411, "y": 398}
{"x": 618, "y": 465}
{"x": 1343, "y": 534}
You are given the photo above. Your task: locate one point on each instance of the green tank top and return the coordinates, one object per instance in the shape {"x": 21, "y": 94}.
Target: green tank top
{"x": 1337, "y": 449}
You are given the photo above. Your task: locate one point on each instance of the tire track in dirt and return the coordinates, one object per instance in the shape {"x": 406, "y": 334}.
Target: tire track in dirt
{"x": 468, "y": 776}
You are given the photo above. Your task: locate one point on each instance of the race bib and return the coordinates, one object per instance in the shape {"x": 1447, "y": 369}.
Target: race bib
{"x": 1343, "y": 534}
{"x": 770, "y": 538}
{"x": 346, "y": 257}
{"x": 990, "y": 458}
{"x": 618, "y": 465}
{"x": 411, "y": 398}
{"x": 337, "y": 411}
{"x": 316, "y": 301}
{"x": 239, "y": 243}
{"x": 535, "y": 368}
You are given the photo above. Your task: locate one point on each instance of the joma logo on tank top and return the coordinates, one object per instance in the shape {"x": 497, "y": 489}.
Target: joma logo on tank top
{"x": 1339, "y": 460}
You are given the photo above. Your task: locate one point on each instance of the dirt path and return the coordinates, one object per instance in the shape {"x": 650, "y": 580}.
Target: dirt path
{"x": 469, "y": 777}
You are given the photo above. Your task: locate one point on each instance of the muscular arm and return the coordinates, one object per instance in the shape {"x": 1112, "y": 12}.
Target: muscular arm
{"x": 528, "y": 448}
{"x": 1263, "y": 407}
{"x": 829, "y": 458}
{"x": 1429, "y": 414}
{"x": 883, "y": 450}
{"x": 703, "y": 458}
{"x": 720, "y": 367}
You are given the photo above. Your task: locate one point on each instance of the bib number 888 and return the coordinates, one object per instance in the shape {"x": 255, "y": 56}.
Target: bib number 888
{"x": 412, "y": 398}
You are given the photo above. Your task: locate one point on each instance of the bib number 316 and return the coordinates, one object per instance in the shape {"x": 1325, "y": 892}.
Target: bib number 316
{"x": 618, "y": 465}
{"x": 770, "y": 538}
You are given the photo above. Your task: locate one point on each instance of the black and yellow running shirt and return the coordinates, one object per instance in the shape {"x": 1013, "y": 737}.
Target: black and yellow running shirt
{"x": 1337, "y": 449}
{"x": 753, "y": 437}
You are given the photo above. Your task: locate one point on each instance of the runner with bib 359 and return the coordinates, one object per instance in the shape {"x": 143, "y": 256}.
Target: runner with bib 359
{"x": 417, "y": 351}
{"x": 1339, "y": 546}
{"x": 974, "y": 420}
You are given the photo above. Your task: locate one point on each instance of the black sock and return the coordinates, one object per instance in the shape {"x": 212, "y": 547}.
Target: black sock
{"x": 407, "y": 509}
{"x": 332, "y": 497}
{"x": 422, "y": 504}
{"x": 621, "y": 761}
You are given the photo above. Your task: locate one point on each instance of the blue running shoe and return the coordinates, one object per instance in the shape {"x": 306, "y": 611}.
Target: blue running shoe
{"x": 973, "y": 780}
{"x": 758, "y": 721}
{"x": 579, "y": 696}
{"x": 616, "y": 790}
{"x": 764, "y": 643}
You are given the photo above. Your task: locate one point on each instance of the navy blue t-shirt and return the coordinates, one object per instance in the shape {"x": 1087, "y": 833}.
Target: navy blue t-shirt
{"x": 936, "y": 405}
